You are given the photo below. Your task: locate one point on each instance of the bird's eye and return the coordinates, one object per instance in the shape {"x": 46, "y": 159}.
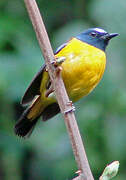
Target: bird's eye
{"x": 93, "y": 34}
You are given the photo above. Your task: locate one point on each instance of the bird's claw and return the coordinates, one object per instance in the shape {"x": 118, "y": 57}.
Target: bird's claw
{"x": 54, "y": 63}
{"x": 70, "y": 103}
{"x": 71, "y": 108}
{"x": 58, "y": 61}
{"x": 58, "y": 69}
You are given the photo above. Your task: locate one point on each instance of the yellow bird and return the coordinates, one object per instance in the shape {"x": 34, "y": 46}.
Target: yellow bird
{"x": 83, "y": 62}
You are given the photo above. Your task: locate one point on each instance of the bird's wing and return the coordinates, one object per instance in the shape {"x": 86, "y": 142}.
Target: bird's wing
{"x": 60, "y": 48}
{"x": 34, "y": 87}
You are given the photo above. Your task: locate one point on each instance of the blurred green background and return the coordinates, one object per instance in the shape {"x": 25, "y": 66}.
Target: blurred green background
{"x": 101, "y": 116}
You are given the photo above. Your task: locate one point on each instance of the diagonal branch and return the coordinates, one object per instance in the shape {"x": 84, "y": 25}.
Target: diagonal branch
{"x": 60, "y": 91}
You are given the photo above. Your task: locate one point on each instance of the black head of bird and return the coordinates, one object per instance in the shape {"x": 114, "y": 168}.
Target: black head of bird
{"x": 96, "y": 37}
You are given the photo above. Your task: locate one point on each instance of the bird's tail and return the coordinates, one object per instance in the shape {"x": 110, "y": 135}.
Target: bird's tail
{"x": 29, "y": 118}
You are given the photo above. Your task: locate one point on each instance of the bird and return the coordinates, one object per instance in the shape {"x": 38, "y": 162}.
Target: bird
{"x": 83, "y": 61}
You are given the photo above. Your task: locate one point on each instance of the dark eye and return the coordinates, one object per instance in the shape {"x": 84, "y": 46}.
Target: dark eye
{"x": 93, "y": 34}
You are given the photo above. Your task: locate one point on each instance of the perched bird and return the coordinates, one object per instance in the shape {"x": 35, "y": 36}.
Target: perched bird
{"x": 83, "y": 62}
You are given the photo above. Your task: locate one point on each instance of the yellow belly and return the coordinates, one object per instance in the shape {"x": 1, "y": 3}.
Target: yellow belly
{"x": 83, "y": 68}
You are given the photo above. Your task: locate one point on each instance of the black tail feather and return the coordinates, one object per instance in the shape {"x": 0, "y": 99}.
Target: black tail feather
{"x": 50, "y": 111}
{"x": 24, "y": 125}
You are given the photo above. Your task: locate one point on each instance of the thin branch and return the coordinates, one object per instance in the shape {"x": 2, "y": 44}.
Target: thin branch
{"x": 60, "y": 91}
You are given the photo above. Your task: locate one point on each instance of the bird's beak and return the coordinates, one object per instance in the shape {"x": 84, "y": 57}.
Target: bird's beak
{"x": 109, "y": 36}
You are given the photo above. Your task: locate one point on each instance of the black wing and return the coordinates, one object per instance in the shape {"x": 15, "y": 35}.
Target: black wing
{"x": 33, "y": 88}
{"x": 60, "y": 47}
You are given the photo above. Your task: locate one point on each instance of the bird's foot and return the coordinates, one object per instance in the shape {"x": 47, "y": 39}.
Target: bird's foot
{"x": 70, "y": 103}
{"x": 58, "y": 61}
{"x": 58, "y": 69}
{"x": 71, "y": 107}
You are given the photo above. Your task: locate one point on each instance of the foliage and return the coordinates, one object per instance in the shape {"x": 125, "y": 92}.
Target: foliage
{"x": 101, "y": 116}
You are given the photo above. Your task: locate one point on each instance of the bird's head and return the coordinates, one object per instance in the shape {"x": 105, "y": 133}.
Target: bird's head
{"x": 96, "y": 37}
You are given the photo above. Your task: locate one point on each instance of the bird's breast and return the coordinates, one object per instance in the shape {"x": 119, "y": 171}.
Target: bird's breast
{"x": 83, "y": 68}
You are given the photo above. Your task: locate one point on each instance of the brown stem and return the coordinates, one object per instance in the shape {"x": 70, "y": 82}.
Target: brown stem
{"x": 60, "y": 91}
